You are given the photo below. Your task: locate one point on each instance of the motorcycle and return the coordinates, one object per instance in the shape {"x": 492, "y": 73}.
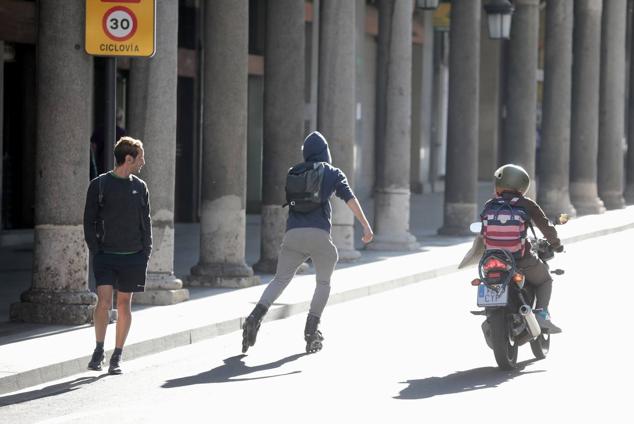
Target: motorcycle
{"x": 508, "y": 302}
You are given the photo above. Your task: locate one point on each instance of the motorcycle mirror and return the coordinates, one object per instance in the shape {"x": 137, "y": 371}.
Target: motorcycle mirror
{"x": 563, "y": 218}
{"x": 475, "y": 227}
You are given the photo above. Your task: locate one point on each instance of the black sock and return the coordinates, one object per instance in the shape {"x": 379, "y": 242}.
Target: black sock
{"x": 117, "y": 351}
{"x": 99, "y": 346}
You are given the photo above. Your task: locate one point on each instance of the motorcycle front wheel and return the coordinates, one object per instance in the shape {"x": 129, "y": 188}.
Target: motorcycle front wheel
{"x": 504, "y": 348}
{"x": 541, "y": 345}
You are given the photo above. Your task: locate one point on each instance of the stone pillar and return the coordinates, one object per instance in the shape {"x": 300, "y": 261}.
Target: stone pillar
{"x": 59, "y": 291}
{"x": 312, "y": 73}
{"x": 438, "y": 148}
{"x": 611, "y": 104}
{"x": 461, "y": 186}
{"x": 283, "y": 120}
{"x": 365, "y": 86}
{"x": 489, "y": 107}
{"x": 152, "y": 119}
{"x": 584, "y": 133}
{"x": 427, "y": 99}
{"x": 554, "y": 155}
{"x": 1, "y": 129}
{"x": 519, "y": 128}
{"x": 336, "y": 107}
{"x": 629, "y": 162}
{"x": 28, "y": 111}
{"x": 223, "y": 217}
{"x": 392, "y": 193}
{"x": 415, "y": 182}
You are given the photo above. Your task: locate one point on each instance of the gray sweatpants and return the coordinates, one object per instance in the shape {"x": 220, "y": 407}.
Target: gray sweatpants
{"x": 298, "y": 245}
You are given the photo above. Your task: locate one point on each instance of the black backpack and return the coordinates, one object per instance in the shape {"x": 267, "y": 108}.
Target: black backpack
{"x": 303, "y": 186}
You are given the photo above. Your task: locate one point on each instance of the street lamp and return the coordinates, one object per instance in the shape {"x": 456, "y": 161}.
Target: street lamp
{"x": 427, "y": 4}
{"x": 499, "y": 13}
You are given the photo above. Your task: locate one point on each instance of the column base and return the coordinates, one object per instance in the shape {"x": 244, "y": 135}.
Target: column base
{"x": 629, "y": 194}
{"x": 161, "y": 289}
{"x": 160, "y": 297}
{"x": 457, "y": 218}
{"x": 613, "y": 200}
{"x": 343, "y": 235}
{"x": 224, "y": 275}
{"x": 585, "y": 199}
{"x": 555, "y": 202}
{"x": 589, "y": 207}
{"x": 403, "y": 243}
{"x": 48, "y": 307}
{"x": 269, "y": 266}
{"x": 265, "y": 266}
{"x": 453, "y": 230}
{"x": 348, "y": 255}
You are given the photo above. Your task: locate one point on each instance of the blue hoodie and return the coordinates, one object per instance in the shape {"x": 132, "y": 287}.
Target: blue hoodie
{"x": 315, "y": 149}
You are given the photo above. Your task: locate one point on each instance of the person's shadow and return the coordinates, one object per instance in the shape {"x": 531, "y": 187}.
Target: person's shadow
{"x": 54, "y": 390}
{"x": 461, "y": 381}
{"x": 233, "y": 367}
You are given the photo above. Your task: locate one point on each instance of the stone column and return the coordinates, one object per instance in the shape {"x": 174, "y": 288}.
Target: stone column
{"x": 392, "y": 193}
{"x": 415, "y": 182}
{"x": 1, "y": 129}
{"x": 438, "y": 146}
{"x": 59, "y": 291}
{"x": 223, "y": 218}
{"x": 461, "y": 186}
{"x": 554, "y": 155}
{"x": 283, "y": 120}
{"x": 427, "y": 104}
{"x": 152, "y": 119}
{"x": 584, "y": 132}
{"x": 519, "y": 127}
{"x": 336, "y": 107}
{"x": 629, "y": 163}
{"x": 489, "y": 107}
{"x": 611, "y": 104}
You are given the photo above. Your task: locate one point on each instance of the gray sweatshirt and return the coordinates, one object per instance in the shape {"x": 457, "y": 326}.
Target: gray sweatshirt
{"x": 123, "y": 221}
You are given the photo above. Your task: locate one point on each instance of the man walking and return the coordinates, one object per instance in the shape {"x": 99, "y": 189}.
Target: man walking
{"x": 118, "y": 231}
{"x": 309, "y": 186}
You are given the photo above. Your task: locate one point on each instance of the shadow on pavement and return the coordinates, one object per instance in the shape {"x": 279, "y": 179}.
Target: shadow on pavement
{"x": 12, "y": 332}
{"x": 461, "y": 381}
{"x": 54, "y": 390}
{"x": 233, "y": 367}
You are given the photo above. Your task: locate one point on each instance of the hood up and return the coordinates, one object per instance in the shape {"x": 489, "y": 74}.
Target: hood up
{"x": 315, "y": 148}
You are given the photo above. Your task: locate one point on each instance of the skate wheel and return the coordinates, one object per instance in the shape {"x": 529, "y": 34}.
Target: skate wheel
{"x": 313, "y": 347}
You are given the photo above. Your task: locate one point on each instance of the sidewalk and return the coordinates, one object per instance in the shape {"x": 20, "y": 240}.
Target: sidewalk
{"x": 213, "y": 312}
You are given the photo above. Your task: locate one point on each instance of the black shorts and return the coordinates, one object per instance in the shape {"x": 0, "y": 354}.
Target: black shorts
{"x": 125, "y": 273}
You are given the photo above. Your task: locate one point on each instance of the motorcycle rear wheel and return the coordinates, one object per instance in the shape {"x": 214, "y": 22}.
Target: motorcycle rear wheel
{"x": 504, "y": 348}
{"x": 541, "y": 345}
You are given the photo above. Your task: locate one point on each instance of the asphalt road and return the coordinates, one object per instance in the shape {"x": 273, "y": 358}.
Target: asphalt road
{"x": 414, "y": 354}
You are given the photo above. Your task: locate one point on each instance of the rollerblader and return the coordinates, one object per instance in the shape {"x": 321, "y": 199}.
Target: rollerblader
{"x": 309, "y": 186}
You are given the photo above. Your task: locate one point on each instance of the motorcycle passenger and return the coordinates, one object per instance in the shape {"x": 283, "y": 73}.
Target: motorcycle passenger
{"x": 511, "y": 184}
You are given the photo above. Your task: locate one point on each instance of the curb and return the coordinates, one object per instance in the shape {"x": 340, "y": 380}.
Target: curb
{"x": 64, "y": 369}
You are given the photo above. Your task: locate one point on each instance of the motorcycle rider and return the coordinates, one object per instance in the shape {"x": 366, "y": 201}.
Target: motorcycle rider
{"x": 511, "y": 183}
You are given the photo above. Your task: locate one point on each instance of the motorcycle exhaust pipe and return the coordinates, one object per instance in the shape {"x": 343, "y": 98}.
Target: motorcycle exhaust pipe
{"x": 531, "y": 322}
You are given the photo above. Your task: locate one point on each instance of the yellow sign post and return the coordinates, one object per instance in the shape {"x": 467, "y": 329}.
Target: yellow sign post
{"x": 120, "y": 27}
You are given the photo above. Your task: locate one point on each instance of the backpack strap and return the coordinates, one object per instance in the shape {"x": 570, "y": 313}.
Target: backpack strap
{"x": 530, "y": 222}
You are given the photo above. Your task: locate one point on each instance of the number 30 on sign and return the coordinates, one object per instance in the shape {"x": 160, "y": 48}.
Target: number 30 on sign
{"x": 120, "y": 27}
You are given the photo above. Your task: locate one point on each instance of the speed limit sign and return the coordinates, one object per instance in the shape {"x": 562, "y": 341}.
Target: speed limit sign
{"x": 119, "y": 23}
{"x": 120, "y": 27}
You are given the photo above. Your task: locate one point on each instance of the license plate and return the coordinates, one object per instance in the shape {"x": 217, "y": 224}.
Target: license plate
{"x": 490, "y": 297}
